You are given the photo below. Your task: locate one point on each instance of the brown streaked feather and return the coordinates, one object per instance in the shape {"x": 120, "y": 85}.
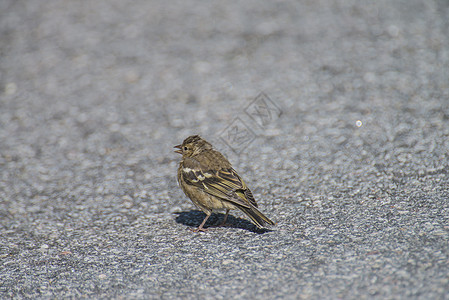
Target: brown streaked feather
{"x": 256, "y": 216}
{"x": 224, "y": 184}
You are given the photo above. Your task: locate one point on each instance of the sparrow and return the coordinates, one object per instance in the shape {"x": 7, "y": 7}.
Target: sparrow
{"x": 209, "y": 180}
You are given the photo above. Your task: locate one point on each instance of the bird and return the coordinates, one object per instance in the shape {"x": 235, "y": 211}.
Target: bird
{"x": 210, "y": 181}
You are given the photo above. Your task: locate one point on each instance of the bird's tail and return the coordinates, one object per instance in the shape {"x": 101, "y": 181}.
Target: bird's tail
{"x": 258, "y": 218}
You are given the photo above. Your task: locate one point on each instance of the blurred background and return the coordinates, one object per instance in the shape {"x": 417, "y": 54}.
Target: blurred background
{"x": 339, "y": 105}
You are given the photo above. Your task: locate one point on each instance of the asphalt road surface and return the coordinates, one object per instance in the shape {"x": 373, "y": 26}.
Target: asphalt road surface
{"x": 336, "y": 114}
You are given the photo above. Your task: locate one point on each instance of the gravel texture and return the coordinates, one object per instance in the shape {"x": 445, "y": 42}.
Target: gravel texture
{"x": 336, "y": 114}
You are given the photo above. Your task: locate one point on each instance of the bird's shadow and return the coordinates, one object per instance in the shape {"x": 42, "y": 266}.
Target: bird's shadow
{"x": 193, "y": 218}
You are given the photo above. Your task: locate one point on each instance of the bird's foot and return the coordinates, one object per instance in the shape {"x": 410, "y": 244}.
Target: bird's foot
{"x": 223, "y": 224}
{"x": 199, "y": 229}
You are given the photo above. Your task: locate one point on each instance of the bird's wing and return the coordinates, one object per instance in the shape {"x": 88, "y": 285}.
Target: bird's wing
{"x": 225, "y": 184}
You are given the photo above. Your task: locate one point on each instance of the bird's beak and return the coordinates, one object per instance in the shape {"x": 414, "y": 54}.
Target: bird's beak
{"x": 179, "y": 147}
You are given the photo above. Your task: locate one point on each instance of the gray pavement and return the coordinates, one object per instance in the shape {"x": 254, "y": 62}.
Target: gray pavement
{"x": 335, "y": 113}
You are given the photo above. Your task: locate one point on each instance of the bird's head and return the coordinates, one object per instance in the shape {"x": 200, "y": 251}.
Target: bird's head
{"x": 193, "y": 145}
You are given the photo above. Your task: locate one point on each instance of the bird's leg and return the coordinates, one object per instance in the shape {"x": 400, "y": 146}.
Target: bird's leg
{"x": 225, "y": 218}
{"x": 200, "y": 228}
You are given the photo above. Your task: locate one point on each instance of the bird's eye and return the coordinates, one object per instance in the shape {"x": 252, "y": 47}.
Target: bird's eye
{"x": 185, "y": 148}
